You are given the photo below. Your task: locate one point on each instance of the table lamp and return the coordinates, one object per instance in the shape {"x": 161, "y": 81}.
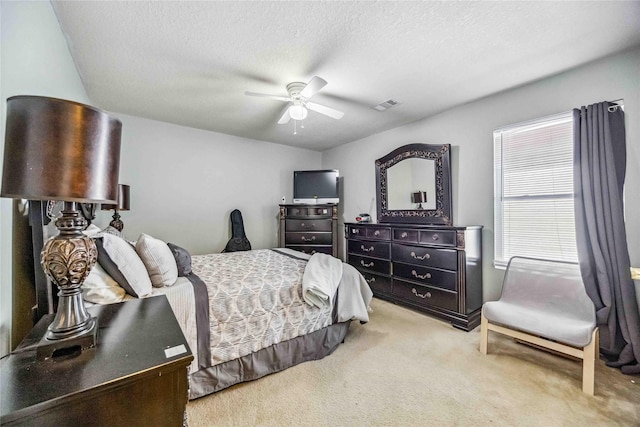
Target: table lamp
{"x": 122, "y": 204}
{"x": 419, "y": 197}
{"x": 62, "y": 150}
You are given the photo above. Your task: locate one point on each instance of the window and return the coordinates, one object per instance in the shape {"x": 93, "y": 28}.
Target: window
{"x": 533, "y": 166}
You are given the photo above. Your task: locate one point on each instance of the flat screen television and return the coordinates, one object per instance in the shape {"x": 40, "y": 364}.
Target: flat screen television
{"x": 315, "y": 187}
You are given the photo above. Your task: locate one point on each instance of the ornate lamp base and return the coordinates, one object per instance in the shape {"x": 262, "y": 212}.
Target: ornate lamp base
{"x": 116, "y": 222}
{"x": 67, "y": 259}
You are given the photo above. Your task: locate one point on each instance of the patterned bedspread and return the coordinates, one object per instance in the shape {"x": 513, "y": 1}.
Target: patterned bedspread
{"x": 255, "y": 301}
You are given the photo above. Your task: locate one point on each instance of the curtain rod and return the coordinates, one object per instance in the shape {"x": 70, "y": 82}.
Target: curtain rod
{"x": 613, "y": 108}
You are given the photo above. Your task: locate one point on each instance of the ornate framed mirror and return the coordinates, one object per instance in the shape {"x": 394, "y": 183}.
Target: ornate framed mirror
{"x": 413, "y": 185}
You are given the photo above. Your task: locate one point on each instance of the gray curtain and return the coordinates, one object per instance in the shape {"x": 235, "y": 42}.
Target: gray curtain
{"x": 599, "y": 171}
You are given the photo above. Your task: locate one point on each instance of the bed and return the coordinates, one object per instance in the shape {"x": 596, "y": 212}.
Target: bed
{"x": 244, "y": 314}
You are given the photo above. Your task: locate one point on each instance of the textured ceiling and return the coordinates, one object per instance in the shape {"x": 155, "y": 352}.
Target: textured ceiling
{"x": 189, "y": 63}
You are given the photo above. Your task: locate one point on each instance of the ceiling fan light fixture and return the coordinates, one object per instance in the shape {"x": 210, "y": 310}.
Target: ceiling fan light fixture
{"x": 298, "y": 112}
{"x": 299, "y": 94}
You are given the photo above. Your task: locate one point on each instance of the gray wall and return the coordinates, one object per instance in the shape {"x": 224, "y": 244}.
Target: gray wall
{"x": 185, "y": 182}
{"x": 469, "y": 128}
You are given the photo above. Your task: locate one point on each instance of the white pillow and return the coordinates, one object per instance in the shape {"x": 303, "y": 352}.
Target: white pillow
{"x": 127, "y": 261}
{"x": 158, "y": 259}
{"x": 100, "y": 288}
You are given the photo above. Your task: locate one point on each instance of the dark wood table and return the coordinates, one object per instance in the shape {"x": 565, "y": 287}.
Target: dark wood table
{"x": 136, "y": 374}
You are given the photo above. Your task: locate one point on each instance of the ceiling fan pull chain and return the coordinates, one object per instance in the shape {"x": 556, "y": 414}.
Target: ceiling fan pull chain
{"x": 294, "y": 127}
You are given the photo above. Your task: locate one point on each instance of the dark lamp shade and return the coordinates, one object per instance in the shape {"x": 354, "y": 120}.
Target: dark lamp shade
{"x": 60, "y": 150}
{"x": 123, "y": 199}
{"x": 419, "y": 197}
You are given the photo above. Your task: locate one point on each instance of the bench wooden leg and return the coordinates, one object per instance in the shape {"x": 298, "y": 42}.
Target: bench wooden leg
{"x": 590, "y": 355}
{"x": 484, "y": 334}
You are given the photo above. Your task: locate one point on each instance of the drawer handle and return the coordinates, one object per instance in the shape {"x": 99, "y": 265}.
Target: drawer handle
{"x": 370, "y": 249}
{"x": 373, "y": 279}
{"x": 376, "y": 233}
{"x": 362, "y": 263}
{"x": 423, "y": 296}
{"x": 436, "y": 237}
{"x": 404, "y": 235}
{"x": 304, "y": 239}
{"x": 303, "y": 225}
{"x": 425, "y": 276}
{"x": 355, "y": 231}
{"x": 425, "y": 256}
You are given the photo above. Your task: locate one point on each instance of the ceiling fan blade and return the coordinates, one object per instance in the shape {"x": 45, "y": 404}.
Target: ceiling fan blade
{"x": 264, "y": 95}
{"x": 334, "y": 114}
{"x": 285, "y": 117}
{"x": 314, "y": 85}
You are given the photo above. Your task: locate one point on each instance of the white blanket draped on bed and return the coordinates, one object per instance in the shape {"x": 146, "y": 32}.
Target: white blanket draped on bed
{"x": 355, "y": 296}
{"x": 321, "y": 279}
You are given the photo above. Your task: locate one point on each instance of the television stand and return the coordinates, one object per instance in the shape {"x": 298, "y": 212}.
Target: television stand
{"x": 309, "y": 228}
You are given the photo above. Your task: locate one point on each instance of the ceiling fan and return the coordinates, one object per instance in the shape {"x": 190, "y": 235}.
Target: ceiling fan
{"x": 299, "y": 94}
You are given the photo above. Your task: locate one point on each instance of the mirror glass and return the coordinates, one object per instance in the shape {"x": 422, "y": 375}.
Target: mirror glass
{"x": 413, "y": 185}
{"x": 408, "y": 177}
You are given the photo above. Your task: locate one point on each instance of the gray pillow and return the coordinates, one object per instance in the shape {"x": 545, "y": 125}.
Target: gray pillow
{"x": 183, "y": 259}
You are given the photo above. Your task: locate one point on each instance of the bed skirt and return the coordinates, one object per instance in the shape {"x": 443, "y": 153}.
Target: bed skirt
{"x": 275, "y": 358}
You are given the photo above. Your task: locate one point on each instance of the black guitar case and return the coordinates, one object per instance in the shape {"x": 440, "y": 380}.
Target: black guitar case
{"x": 238, "y": 241}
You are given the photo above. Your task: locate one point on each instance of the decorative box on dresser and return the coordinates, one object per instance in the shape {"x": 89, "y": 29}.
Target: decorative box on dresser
{"x": 432, "y": 268}
{"x": 309, "y": 228}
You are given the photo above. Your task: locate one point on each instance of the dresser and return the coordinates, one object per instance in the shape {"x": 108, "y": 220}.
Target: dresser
{"x": 309, "y": 228}
{"x": 136, "y": 374}
{"x": 433, "y": 269}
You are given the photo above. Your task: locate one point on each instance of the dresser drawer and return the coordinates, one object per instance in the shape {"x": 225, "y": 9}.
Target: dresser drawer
{"x": 376, "y": 233}
{"x": 425, "y": 295}
{"x": 376, "y": 282}
{"x": 311, "y": 249}
{"x": 308, "y": 238}
{"x": 444, "y": 279}
{"x": 308, "y": 225}
{"x": 308, "y": 212}
{"x": 355, "y": 231}
{"x": 369, "y": 248}
{"x": 376, "y": 265}
{"x": 430, "y": 237}
{"x": 403, "y": 235}
{"x": 382, "y": 233}
{"x": 435, "y": 237}
{"x": 433, "y": 257}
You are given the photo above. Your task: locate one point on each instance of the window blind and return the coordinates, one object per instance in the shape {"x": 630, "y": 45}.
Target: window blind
{"x": 533, "y": 164}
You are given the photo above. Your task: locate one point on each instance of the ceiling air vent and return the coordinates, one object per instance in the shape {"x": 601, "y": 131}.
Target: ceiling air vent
{"x": 385, "y": 105}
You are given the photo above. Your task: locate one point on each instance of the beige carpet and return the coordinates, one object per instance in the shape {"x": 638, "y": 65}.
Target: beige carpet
{"x": 407, "y": 369}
